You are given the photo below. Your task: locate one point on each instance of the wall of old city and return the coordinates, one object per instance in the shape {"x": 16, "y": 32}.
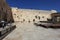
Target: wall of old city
{"x": 31, "y": 15}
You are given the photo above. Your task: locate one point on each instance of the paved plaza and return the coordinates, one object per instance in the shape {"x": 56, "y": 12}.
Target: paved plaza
{"x": 28, "y": 31}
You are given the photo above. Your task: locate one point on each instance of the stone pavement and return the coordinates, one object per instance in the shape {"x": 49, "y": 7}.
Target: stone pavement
{"x": 28, "y": 31}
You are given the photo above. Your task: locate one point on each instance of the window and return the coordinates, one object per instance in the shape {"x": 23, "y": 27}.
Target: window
{"x": 58, "y": 19}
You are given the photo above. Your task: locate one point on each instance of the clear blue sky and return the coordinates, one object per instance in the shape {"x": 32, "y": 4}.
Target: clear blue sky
{"x": 36, "y": 4}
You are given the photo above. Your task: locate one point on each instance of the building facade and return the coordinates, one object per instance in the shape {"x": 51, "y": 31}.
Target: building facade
{"x": 30, "y": 15}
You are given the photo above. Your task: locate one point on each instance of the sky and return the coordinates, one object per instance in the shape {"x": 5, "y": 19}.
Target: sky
{"x": 35, "y": 4}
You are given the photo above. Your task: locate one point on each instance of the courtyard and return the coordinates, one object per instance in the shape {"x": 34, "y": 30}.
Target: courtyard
{"x": 28, "y": 31}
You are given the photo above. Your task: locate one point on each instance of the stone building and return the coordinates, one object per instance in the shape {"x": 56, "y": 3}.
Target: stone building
{"x": 30, "y": 15}
{"x": 5, "y": 11}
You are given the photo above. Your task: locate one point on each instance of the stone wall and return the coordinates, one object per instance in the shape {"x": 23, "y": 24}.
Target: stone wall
{"x": 26, "y": 15}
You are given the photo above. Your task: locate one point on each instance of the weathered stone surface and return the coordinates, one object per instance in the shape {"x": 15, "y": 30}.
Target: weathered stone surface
{"x": 29, "y": 14}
